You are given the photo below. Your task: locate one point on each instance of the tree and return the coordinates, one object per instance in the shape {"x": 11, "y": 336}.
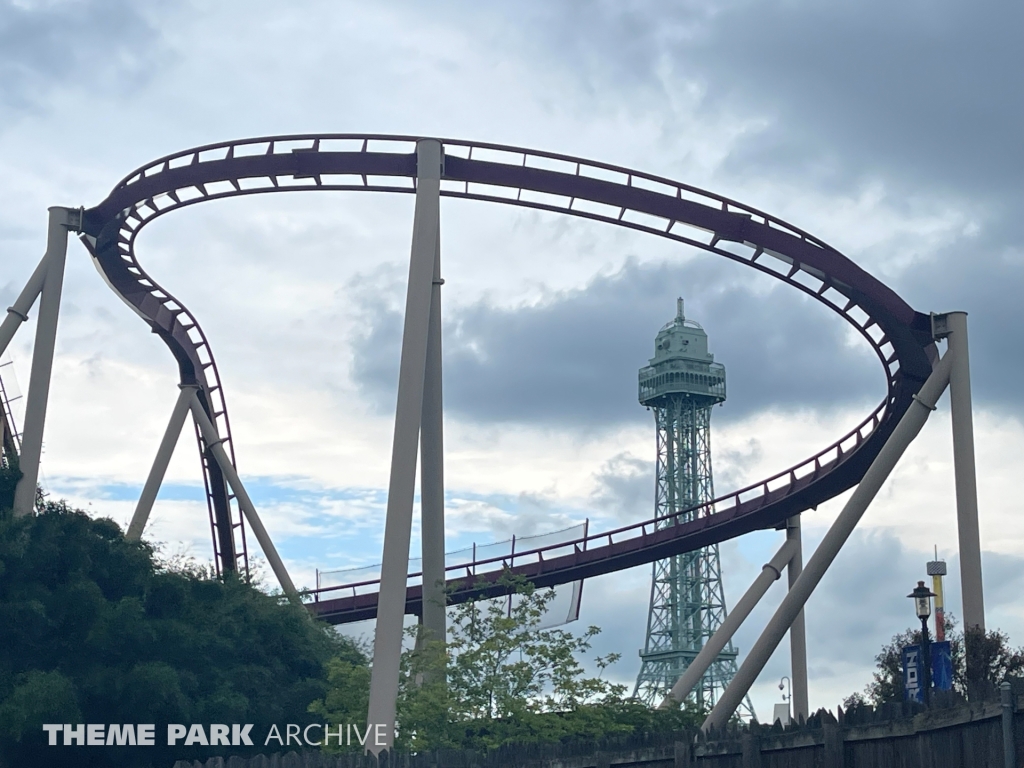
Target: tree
{"x": 503, "y": 679}
{"x": 94, "y": 629}
{"x": 990, "y": 652}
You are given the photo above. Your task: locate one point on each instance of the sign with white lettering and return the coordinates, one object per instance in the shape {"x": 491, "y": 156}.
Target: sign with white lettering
{"x": 913, "y": 683}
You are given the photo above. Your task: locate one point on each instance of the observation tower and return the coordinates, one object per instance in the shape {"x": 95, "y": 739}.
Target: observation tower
{"x": 681, "y": 385}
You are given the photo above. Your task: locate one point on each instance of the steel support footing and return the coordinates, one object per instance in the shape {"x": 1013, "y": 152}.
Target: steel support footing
{"x": 792, "y": 604}
{"x": 387, "y": 644}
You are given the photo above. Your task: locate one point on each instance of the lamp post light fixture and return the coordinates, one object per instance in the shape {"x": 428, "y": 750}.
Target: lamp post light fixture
{"x": 782, "y": 714}
{"x": 922, "y": 597}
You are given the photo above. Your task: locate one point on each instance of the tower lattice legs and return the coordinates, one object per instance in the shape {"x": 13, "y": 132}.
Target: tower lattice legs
{"x": 770, "y": 573}
{"x": 687, "y": 597}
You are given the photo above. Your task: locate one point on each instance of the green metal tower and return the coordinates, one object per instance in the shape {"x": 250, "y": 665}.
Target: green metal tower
{"x": 681, "y": 385}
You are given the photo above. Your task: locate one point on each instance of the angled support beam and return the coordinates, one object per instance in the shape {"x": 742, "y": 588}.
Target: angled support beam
{"x": 61, "y": 221}
{"x": 770, "y": 573}
{"x": 792, "y": 604}
{"x": 387, "y": 645}
{"x": 215, "y": 445}
{"x": 797, "y": 632}
{"x": 17, "y": 313}
{"x": 163, "y": 458}
{"x": 432, "y": 470}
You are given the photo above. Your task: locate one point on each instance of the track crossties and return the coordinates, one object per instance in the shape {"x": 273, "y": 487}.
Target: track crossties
{"x": 621, "y": 197}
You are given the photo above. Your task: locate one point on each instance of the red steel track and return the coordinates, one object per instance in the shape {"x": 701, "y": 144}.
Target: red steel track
{"x": 622, "y": 197}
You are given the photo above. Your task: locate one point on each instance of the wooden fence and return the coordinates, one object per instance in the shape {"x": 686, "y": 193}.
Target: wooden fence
{"x": 899, "y": 736}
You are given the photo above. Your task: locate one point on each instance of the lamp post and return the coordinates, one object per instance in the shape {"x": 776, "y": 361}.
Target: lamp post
{"x": 782, "y": 714}
{"x": 782, "y": 687}
{"x": 922, "y": 597}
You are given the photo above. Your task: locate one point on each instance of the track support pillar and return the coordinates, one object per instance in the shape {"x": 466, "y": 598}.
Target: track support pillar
{"x": 792, "y": 604}
{"x": 797, "y": 632}
{"x": 159, "y": 469}
{"x": 387, "y": 645}
{"x": 61, "y": 221}
{"x": 216, "y": 446}
{"x": 432, "y": 469}
{"x": 952, "y": 327}
{"x": 17, "y": 313}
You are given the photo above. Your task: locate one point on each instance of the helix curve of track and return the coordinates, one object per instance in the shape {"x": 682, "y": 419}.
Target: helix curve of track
{"x": 899, "y": 335}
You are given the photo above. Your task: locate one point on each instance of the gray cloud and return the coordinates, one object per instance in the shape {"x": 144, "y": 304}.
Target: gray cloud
{"x": 625, "y": 487}
{"x": 985, "y": 278}
{"x": 99, "y": 45}
{"x": 839, "y": 95}
{"x": 908, "y": 92}
{"x": 573, "y": 359}
{"x": 835, "y": 96}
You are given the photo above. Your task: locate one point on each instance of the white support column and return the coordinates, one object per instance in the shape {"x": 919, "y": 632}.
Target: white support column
{"x": 159, "y": 469}
{"x": 432, "y": 469}
{"x": 17, "y": 313}
{"x": 964, "y": 471}
{"x": 770, "y": 573}
{"x": 792, "y": 604}
{"x": 61, "y": 220}
{"x": 387, "y": 646}
{"x": 797, "y": 632}
{"x": 216, "y": 446}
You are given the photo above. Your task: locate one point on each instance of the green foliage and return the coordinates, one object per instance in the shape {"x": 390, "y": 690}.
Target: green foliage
{"x": 9, "y": 477}
{"x": 502, "y": 679}
{"x": 990, "y": 652}
{"x": 94, "y": 630}
{"x": 347, "y": 698}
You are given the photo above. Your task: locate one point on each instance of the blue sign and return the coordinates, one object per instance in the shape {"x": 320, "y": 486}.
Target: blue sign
{"x": 942, "y": 666}
{"x": 913, "y": 670}
{"x": 913, "y": 684}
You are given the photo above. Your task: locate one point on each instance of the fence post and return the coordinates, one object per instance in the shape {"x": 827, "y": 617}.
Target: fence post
{"x": 751, "y": 746}
{"x": 833, "y": 742}
{"x": 683, "y": 755}
{"x": 1009, "y": 747}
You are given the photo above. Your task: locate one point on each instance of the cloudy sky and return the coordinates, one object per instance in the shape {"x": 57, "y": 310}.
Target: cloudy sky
{"x": 890, "y": 130}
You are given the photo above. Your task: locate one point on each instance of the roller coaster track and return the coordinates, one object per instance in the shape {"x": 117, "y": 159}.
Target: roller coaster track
{"x": 900, "y": 336}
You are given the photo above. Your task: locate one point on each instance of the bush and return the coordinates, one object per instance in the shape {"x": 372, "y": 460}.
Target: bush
{"x": 93, "y": 629}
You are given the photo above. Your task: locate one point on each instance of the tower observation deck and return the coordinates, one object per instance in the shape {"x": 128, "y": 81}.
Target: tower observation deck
{"x": 680, "y": 384}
